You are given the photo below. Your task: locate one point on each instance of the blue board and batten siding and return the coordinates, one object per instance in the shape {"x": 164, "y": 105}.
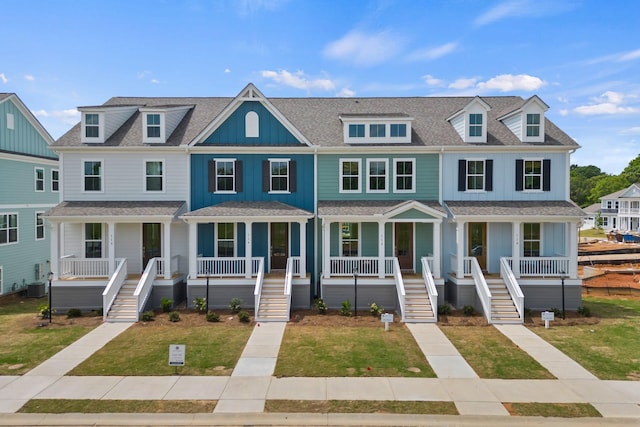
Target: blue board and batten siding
{"x": 23, "y": 138}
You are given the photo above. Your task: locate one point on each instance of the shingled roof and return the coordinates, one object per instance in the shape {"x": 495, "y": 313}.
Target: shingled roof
{"x": 514, "y": 208}
{"x": 102, "y": 209}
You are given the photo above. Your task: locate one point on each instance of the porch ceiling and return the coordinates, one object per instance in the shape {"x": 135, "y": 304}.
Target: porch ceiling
{"x": 255, "y": 210}
{"x": 380, "y": 208}
{"x": 119, "y": 210}
{"x": 523, "y": 209}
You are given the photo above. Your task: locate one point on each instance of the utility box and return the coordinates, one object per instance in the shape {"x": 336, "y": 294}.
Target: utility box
{"x": 35, "y": 290}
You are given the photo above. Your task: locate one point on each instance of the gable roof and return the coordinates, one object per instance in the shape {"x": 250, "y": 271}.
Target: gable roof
{"x": 633, "y": 188}
{"x": 4, "y": 97}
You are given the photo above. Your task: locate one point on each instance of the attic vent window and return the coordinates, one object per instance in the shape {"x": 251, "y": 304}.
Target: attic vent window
{"x": 252, "y": 125}
{"x": 10, "y": 121}
{"x": 92, "y": 125}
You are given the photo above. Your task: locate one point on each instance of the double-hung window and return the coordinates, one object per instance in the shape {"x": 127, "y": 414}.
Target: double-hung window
{"x": 154, "y": 175}
{"x": 92, "y": 175}
{"x": 225, "y": 175}
{"x": 279, "y": 176}
{"x": 475, "y": 124}
{"x": 153, "y": 125}
{"x": 8, "y": 228}
{"x": 531, "y": 239}
{"x": 475, "y": 174}
{"x": 226, "y": 239}
{"x": 533, "y": 175}
{"x": 92, "y": 125}
{"x": 377, "y": 172}
{"x": 533, "y": 125}
{"x": 405, "y": 175}
{"x": 39, "y": 226}
{"x": 55, "y": 180}
{"x": 93, "y": 240}
{"x": 350, "y": 175}
{"x": 350, "y": 238}
{"x": 39, "y": 176}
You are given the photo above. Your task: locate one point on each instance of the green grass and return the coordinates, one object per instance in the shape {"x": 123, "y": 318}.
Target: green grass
{"x": 563, "y": 410}
{"x": 594, "y": 233}
{"x": 315, "y": 351}
{"x": 360, "y": 407}
{"x": 479, "y": 345}
{"x": 143, "y": 349}
{"x": 64, "y": 406}
{"x": 609, "y": 349}
{"x": 32, "y": 340}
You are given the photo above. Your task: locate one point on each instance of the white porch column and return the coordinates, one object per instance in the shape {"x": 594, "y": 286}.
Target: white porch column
{"x": 515, "y": 248}
{"x": 166, "y": 234}
{"x": 303, "y": 248}
{"x": 248, "y": 226}
{"x": 193, "y": 250}
{"x": 460, "y": 226}
{"x": 381, "y": 239}
{"x": 437, "y": 256}
{"x": 573, "y": 250}
{"x": 54, "y": 264}
{"x": 326, "y": 248}
{"x": 111, "y": 231}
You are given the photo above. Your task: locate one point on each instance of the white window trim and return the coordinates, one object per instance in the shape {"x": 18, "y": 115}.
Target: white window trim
{"x": 146, "y": 138}
{"x": 44, "y": 229}
{"x": 84, "y": 238}
{"x": 10, "y": 126}
{"x": 413, "y": 175}
{"x": 144, "y": 171}
{"x": 100, "y": 137}
{"x": 484, "y": 176}
{"x": 359, "y": 162}
{"x": 35, "y": 176}
{"x": 358, "y": 240}
{"x": 523, "y": 124}
{"x": 386, "y": 176}
{"x": 288, "y": 190}
{"x": 541, "y": 243}
{"x": 235, "y": 239}
{"x": 251, "y": 125}
{"x": 368, "y": 139}
{"x": 524, "y": 176}
{"x": 233, "y": 175}
{"x": 8, "y": 228}
{"x": 54, "y": 180}
{"x": 102, "y": 174}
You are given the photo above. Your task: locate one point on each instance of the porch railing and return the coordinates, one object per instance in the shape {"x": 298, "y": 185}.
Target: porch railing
{"x": 113, "y": 286}
{"x": 432, "y": 292}
{"x": 397, "y": 275}
{"x": 175, "y": 265}
{"x": 366, "y": 266}
{"x": 512, "y": 286}
{"x": 145, "y": 285}
{"x": 83, "y": 267}
{"x": 541, "y": 266}
{"x": 226, "y": 267}
{"x": 288, "y": 279}
{"x": 482, "y": 289}
{"x": 257, "y": 293}
{"x": 466, "y": 264}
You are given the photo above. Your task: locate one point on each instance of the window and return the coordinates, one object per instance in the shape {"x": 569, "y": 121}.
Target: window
{"x": 92, "y": 175}
{"x": 226, "y": 239}
{"x": 39, "y": 226}
{"x": 225, "y": 175}
{"x": 533, "y": 175}
{"x": 92, "y": 125}
{"x": 475, "y": 124}
{"x": 404, "y": 175}
{"x": 533, "y": 125}
{"x": 39, "y": 179}
{"x": 349, "y": 239}
{"x": 55, "y": 180}
{"x": 93, "y": 240}
{"x": 278, "y": 176}
{"x": 377, "y": 131}
{"x": 10, "y": 125}
{"x": 252, "y": 125}
{"x": 605, "y": 221}
{"x": 356, "y": 131}
{"x": 531, "y": 240}
{"x": 154, "y": 175}
{"x": 475, "y": 175}
{"x": 153, "y": 125}
{"x": 350, "y": 175}
{"x": 8, "y": 228}
{"x": 377, "y": 176}
{"x": 398, "y": 130}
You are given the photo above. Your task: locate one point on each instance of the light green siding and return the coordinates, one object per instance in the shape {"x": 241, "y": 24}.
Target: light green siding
{"x": 369, "y": 239}
{"x": 412, "y": 214}
{"x": 23, "y": 138}
{"x": 22, "y": 175}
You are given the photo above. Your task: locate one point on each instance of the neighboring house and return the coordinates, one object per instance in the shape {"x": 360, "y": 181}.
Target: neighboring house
{"x": 31, "y": 182}
{"x": 405, "y": 202}
{"x": 620, "y": 210}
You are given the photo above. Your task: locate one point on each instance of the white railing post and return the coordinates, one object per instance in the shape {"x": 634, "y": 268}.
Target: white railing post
{"x": 512, "y": 286}
{"x": 481, "y": 288}
{"x": 257, "y": 293}
{"x": 432, "y": 291}
{"x": 397, "y": 275}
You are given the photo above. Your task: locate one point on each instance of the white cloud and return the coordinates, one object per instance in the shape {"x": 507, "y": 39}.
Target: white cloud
{"x": 298, "y": 80}
{"x": 463, "y": 83}
{"x": 345, "y": 92}
{"x": 155, "y": 81}
{"x": 3, "y": 78}
{"x": 433, "y": 53}
{"x": 432, "y": 81}
{"x": 524, "y": 8}
{"x": 510, "y": 83}
{"x": 613, "y": 97}
{"x": 143, "y": 74}
{"x": 29, "y": 77}
{"x": 227, "y": 70}
{"x": 631, "y": 131}
{"x": 501, "y": 11}
{"x": 68, "y": 117}
{"x": 364, "y": 49}
{"x": 609, "y": 102}
{"x": 630, "y": 56}
{"x": 564, "y": 112}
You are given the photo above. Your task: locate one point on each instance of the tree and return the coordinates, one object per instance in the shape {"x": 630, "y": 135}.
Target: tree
{"x": 582, "y": 181}
{"x": 632, "y": 171}
{"x": 606, "y": 184}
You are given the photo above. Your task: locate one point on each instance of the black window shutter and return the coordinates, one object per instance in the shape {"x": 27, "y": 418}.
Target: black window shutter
{"x": 238, "y": 176}
{"x": 519, "y": 174}
{"x": 546, "y": 175}
{"x": 266, "y": 176}
{"x": 292, "y": 176}
{"x": 462, "y": 175}
{"x": 488, "y": 170}
{"x": 212, "y": 176}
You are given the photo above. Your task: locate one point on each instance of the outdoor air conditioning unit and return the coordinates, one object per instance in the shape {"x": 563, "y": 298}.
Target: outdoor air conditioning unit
{"x": 39, "y": 271}
{"x": 35, "y": 290}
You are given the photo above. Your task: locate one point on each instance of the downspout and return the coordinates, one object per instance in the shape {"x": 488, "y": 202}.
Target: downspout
{"x": 316, "y": 269}
{"x": 567, "y": 195}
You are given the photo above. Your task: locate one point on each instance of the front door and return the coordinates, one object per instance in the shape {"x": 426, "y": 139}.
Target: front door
{"x": 478, "y": 243}
{"x": 151, "y": 242}
{"x": 404, "y": 244}
{"x": 279, "y": 245}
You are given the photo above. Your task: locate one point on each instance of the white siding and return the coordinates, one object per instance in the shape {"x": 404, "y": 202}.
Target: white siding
{"x": 514, "y": 123}
{"x": 458, "y": 125}
{"x": 172, "y": 119}
{"x": 128, "y": 244}
{"x": 115, "y": 118}
{"x": 73, "y": 243}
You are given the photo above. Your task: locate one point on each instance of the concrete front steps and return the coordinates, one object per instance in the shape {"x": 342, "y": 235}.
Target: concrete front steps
{"x": 124, "y": 307}
{"x": 417, "y": 306}
{"x": 503, "y": 310}
{"x": 274, "y": 304}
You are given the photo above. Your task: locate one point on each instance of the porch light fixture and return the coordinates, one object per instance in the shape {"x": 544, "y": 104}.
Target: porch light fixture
{"x": 355, "y": 289}
{"x": 49, "y": 277}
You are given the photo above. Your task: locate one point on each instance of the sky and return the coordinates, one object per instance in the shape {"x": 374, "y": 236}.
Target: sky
{"x": 581, "y": 57}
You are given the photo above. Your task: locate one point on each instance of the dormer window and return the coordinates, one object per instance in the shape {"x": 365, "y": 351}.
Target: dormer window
{"x": 92, "y": 126}
{"x": 377, "y": 131}
{"x": 471, "y": 121}
{"x": 398, "y": 130}
{"x": 475, "y": 125}
{"x": 533, "y": 125}
{"x": 527, "y": 120}
{"x": 356, "y": 131}
{"x": 376, "y": 128}
{"x": 153, "y": 125}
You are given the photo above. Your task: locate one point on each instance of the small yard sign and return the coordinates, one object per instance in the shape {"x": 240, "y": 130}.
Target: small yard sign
{"x": 547, "y": 316}
{"x": 176, "y": 354}
{"x": 386, "y": 318}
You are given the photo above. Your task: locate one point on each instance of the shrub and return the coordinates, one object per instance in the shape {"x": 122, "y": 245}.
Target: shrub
{"x": 201, "y": 304}
{"x": 43, "y": 310}
{"x": 376, "y": 310}
{"x": 147, "y": 316}
{"x": 468, "y": 310}
{"x": 321, "y": 306}
{"x": 244, "y": 316}
{"x": 345, "y": 308}
{"x": 235, "y": 305}
{"x": 166, "y": 304}
{"x": 584, "y": 311}
{"x": 556, "y": 312}
{"x": 213, "y": 317}
{"x": 443, "y": 310}
{"x": 174, "y": 316}
{"x": 74, "y": 312}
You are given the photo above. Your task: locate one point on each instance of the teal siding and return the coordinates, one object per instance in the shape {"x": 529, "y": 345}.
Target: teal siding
{"x": 232, "y": 131}
{"x": 423, "y": 242}
{"x": 369, "y": 239}
{"x": 329, "y": 178}
{"x": 23, "y": 138}
{"x": 412, "y": 214}
{"x": 388, "y": 240}
{"x": 22, "y": 176}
